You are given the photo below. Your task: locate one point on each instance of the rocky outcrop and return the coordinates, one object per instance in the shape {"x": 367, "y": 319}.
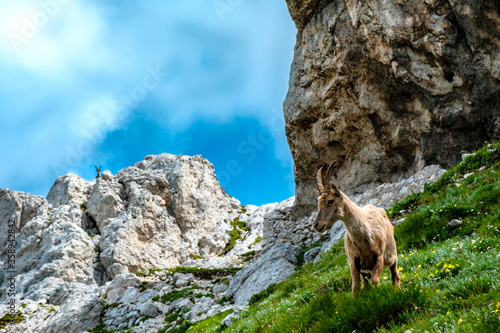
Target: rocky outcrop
{"x": 157, "y": 214}
{"x": 161, "y": 212}
{"x": 53, "y": 252}
{"x": 274, "y": 266}
{"x": 69, "y": 190}
{"x": 386, "y": 87}
{"x": 81, "y": 313}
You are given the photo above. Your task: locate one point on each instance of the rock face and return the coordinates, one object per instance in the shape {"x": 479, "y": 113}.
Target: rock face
{"x": 159, "y": 213}
{"x": 274, "y": 266}
{"x": 53, "y": 252}
{"x": 386, "y": 87}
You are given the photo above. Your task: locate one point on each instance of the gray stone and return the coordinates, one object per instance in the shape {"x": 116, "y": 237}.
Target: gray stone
{"x": 147, "y": 295}
{"x": 454, "y": 223}
{"x": 53, "y": 253}
{"x": 105, "y": 200}
{"x": 116, "y": 269}
{"x": 181, "y": 304}
{"x": 274, "y": 266}
{"x": 80, "y": 313}
{"x": 130, "y": 295}
{"x": 175, "y": 209}
{"x": 398, "y": 222}
{"x": 183, "y": 280}
{"x": 228, "y": 321}
{"x": 149, "y": 309}
{"x": 119, "y": 284}
{"x": 312, "y": 254}
{"x": 219, "y": 288}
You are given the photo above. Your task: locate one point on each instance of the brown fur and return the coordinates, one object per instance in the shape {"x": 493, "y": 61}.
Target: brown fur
{"x": 369, "y": 240}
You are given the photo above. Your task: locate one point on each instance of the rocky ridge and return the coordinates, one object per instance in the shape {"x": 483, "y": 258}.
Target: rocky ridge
{"x": 157, "y": 240}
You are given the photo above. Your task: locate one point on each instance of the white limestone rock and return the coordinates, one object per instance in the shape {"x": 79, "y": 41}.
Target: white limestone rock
{"x": 18, "y": 207}
{"x": 175, "y": 208}
{"x": 119, "y": 285}
{"x": 79, "y": 314}
{"x": 105, "y": 201}
{"x": 69, "y": 190}
{"x": 52, "y": 253}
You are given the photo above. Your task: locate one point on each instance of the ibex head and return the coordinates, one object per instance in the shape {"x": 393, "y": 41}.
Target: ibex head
{"x": 329, "y": 202}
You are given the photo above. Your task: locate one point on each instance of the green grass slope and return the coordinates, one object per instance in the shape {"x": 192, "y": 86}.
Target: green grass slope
{"x": 450, "y": 274}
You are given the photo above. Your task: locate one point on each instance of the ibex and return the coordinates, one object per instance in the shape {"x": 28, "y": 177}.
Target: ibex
{"x": 98, "y": 170}
{"x": 369, "y": 240}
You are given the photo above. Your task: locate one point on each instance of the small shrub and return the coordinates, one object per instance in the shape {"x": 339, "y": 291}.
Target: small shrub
{"x": 248, "y": 254}
{"x": 224, "y": 299}
{"x": 257, "y": 241}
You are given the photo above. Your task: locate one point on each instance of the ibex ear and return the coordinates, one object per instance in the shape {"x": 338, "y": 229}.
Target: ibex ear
{"x": 316, "y": 191}
{"x": 335, "y": 189}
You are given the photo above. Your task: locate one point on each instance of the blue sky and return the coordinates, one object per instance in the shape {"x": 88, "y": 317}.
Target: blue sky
{"x": 107, "y": 83}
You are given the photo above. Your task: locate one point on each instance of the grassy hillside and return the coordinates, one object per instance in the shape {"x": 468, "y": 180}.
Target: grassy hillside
{"x": 450, "y": 274}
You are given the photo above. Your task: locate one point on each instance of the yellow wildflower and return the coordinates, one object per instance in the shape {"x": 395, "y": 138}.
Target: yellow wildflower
{"x": 459, "y": 321}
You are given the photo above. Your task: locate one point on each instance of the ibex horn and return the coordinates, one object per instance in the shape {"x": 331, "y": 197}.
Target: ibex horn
{"x": 328, "y": 176}
{"x": 319, "y": 180}
{"x": 330, "y": 184}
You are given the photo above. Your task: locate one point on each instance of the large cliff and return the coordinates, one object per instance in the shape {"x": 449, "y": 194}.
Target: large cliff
{"x": 387, "y": 87}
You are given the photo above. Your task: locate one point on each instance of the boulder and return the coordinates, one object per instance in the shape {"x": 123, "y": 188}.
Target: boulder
{"x": 311, "y": 254}
{"x": 274, "y": 266}
{"x": 69, "y": 190}
{"x": 149, "y": 309}
{"x": 119, "y": 285}
{"x": 80, "y": 313}
{"x": 183, "y": 280}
